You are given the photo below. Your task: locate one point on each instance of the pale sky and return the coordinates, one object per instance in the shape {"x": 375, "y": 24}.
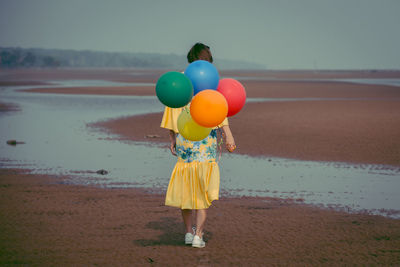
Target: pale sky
{"x": 280, "y": 34}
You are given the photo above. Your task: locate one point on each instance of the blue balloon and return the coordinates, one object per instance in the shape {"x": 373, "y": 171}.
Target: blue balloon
{"x": 203, "y": 75}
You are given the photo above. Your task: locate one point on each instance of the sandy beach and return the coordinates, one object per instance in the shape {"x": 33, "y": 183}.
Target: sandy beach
{"x": 47, "y": 223}
{"x": 50, "y": 222}
{"x": 341, "y": 122}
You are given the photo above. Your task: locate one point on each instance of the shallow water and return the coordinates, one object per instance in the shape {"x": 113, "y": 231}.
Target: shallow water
{"x": 58, "y": 142}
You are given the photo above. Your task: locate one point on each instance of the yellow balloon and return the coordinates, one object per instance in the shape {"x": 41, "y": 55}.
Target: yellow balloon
{"x": 189, "y": 129}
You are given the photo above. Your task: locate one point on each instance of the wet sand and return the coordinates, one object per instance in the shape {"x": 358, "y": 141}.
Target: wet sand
{"x": 97, "y": 90}
{"x": 302, "y": 130}
{"x": 356, "y": 123}
{"x": 300, "y": 88}
{"x": 7, "y": 107}
{"x": 47, "y": 223}
{"x": 353, "y": 123}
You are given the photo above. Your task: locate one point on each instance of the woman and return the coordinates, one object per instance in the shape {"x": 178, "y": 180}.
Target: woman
{"x": 194, "y": 182}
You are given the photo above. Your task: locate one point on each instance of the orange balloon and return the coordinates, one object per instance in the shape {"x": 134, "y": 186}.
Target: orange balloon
{"x": 209, "y": 108}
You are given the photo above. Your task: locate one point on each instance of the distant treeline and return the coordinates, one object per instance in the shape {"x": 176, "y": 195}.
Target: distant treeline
{"x": 37, "y": 57}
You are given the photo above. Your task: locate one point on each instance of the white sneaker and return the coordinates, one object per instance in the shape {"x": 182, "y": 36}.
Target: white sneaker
{"x": 198, "y": 242}
{"x": 188, "y": 238}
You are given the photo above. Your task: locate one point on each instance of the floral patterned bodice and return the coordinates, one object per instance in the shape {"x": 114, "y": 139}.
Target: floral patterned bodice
{"x": 197, "y": 151}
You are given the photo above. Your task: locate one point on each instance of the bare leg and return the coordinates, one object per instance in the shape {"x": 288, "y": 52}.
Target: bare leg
{"x": 194, "y": 215}
{"x": 187, "y": 219}
{"x": 200, "y": 221}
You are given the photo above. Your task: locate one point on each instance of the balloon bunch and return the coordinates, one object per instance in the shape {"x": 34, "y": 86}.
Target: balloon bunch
{"x": 212, "y": 99}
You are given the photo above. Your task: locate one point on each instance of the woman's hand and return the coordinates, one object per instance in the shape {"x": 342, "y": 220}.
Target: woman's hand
{"x": 229, "y": 140}
{"x": 230, "y": 144}
{"x": 172, "y": 138}
{"x": 173, "y": 148}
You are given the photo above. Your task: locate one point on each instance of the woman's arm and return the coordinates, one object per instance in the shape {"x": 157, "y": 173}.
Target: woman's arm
{"x": 230, "y": 141}
{"x": 172, "y": 138}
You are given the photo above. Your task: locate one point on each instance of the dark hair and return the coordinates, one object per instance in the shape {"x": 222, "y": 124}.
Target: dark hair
{"x": 199, "y": 52}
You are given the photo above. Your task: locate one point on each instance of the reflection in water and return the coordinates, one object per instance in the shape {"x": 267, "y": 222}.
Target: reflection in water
{"x": 57, "y": 141}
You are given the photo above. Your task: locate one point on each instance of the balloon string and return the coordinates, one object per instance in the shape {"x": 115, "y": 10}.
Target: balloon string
{"x": 221, "y": 141}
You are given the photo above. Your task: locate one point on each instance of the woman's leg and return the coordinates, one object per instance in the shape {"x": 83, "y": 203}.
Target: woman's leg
{"x": 200, "y": 221}
{"x": 187, "y": 219}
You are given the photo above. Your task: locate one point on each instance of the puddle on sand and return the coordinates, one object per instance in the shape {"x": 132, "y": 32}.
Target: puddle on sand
{"x": 58, "y": 142}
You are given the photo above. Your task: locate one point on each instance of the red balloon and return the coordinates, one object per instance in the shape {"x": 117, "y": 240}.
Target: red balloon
{"x": 234, "y": 93}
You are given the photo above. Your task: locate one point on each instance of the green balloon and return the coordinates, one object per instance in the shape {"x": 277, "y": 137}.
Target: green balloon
{"x": 174, "y": 89}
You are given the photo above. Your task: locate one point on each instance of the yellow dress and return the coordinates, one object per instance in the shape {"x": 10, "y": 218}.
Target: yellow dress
{"x": 194, "y": 181}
